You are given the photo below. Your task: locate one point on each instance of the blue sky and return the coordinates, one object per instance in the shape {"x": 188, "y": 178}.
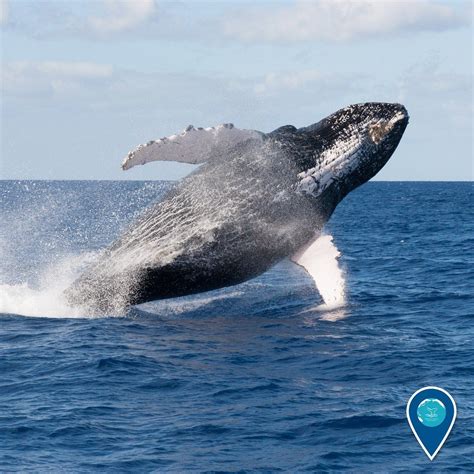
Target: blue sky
{"x": 84, "y": 82}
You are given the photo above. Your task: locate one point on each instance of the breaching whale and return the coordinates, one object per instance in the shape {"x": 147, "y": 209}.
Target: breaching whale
{"x": 255, "y": 199}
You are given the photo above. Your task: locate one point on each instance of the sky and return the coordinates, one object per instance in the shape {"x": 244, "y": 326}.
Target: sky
{"x": 84, "y": 82}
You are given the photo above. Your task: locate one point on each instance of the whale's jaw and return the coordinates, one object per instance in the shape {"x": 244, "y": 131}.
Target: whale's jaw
{"x": 358, "y": 142}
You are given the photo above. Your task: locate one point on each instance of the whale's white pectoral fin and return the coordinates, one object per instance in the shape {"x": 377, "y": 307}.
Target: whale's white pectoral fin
{"x": 320, "y": 259}
{"x": 193, "y": 145}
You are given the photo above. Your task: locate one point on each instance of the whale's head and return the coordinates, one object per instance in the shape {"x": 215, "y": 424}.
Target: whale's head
{"x": 353, "y": 145}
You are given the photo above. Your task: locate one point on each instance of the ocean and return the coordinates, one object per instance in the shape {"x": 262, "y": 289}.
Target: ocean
{"x": 252, "y": 378}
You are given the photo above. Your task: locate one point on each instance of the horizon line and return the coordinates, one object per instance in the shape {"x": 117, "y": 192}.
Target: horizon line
{"x": 174, "y": 180}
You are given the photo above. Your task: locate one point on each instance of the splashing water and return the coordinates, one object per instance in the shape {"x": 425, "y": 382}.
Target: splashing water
{"x": 46, "y": 298}
{"x": 45, "y": 245}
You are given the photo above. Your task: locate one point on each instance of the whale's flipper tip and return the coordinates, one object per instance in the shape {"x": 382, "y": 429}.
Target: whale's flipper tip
{"x": 320, "y": 260}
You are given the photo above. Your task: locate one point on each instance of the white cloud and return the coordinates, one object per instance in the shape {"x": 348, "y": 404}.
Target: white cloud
{"x": 69, "y": 69}
{"x": 122, "y": 15}
{"x": 339, "y": 20}
{"x": 50, "y": 77}
{"x": 273, "y": 82}
{"x": 3, "y": 12}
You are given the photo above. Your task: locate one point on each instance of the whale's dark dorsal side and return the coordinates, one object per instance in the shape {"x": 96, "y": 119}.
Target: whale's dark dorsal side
{"x": 256, "y": 199}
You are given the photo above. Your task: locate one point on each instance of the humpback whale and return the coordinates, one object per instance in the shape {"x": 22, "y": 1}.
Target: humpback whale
{"x": 255, "y": 198}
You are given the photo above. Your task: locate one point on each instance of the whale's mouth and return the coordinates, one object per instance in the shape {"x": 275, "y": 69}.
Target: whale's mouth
{"x": 367, "y": 134}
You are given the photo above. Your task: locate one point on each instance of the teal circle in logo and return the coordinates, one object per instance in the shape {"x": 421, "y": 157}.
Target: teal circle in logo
{"x": 431, "y": 412}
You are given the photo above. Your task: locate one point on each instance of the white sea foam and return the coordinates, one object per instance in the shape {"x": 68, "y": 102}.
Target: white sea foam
{"x": 46, "y": 298}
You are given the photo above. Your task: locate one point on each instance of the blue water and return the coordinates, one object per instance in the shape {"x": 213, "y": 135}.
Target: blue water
{"x": 250, "y": 378}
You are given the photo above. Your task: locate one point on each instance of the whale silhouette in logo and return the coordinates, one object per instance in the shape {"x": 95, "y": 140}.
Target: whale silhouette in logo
{"x": 432, "y": 412}
{"x": 255, "y": 199}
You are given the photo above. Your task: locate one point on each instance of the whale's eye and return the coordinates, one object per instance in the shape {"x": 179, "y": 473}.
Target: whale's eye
{"x": 378, "y": 131}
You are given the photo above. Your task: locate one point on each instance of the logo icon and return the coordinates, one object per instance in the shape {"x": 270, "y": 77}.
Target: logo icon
{"x": 431, "y": 412}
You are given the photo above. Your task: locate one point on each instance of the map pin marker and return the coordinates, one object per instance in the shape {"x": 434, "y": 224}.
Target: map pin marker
{"x": 431, "y": 413}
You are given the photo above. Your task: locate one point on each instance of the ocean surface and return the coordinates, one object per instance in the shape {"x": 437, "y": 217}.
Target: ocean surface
{"x": 252, "y": 378}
